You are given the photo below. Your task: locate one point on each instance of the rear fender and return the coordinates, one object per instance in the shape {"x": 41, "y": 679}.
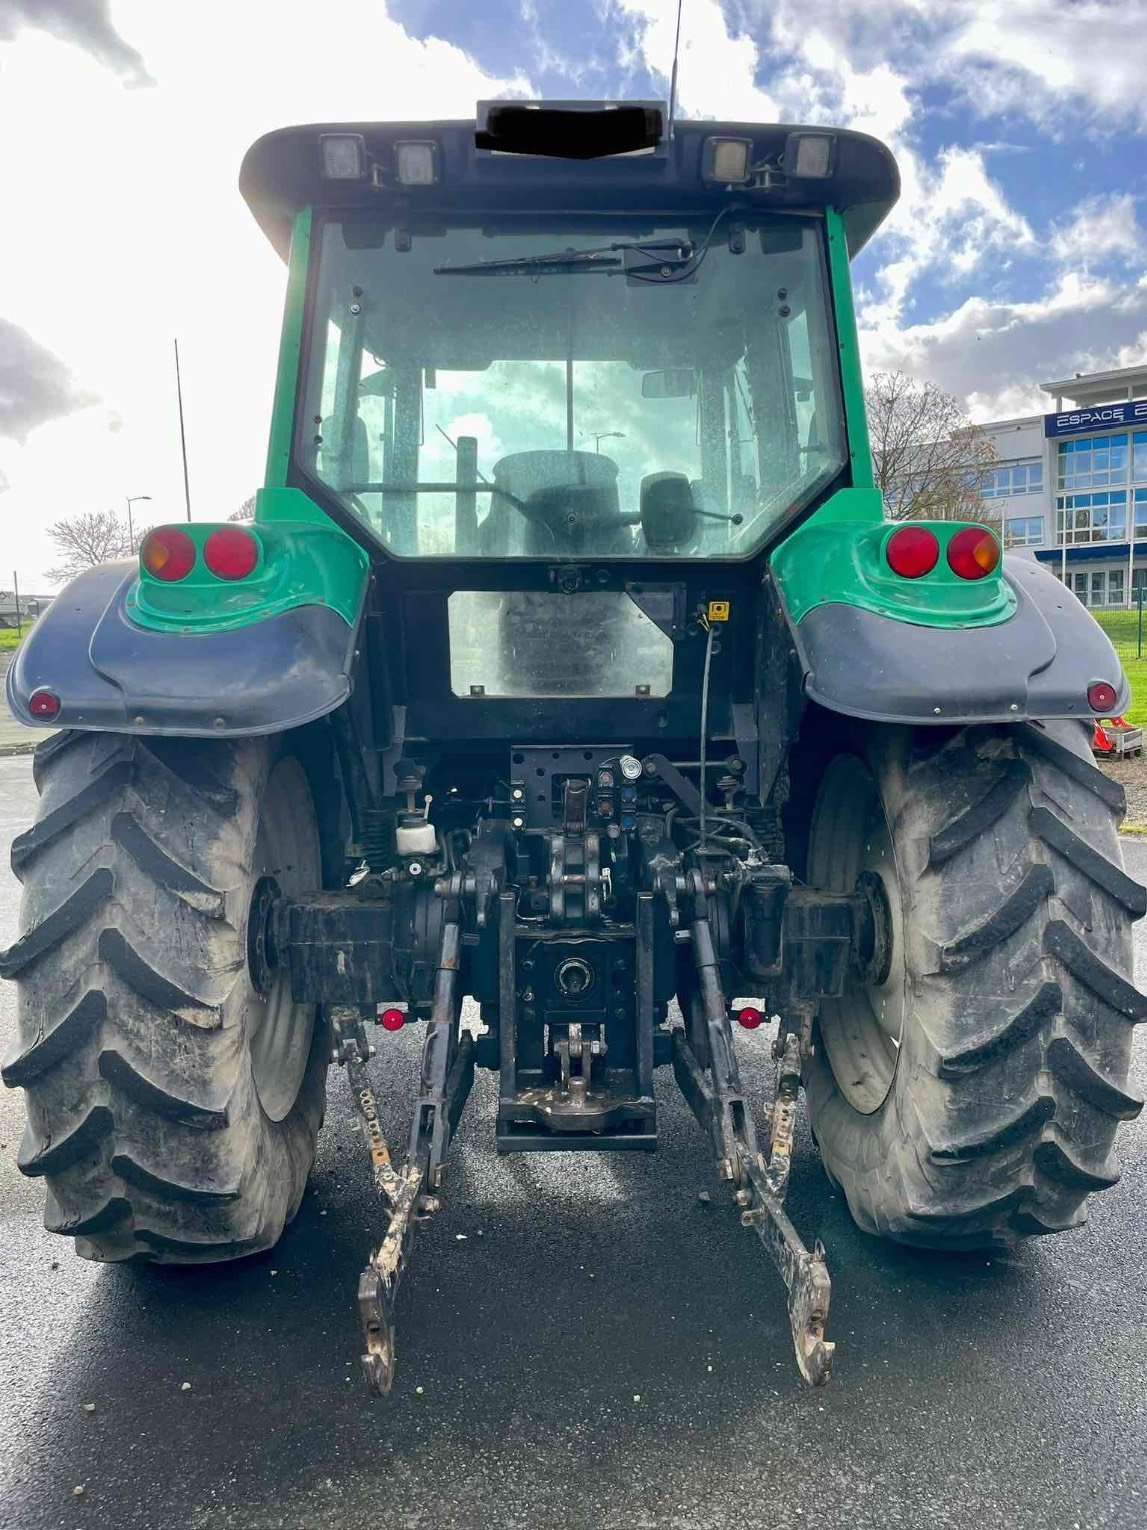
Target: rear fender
{"x": 1036, "y": 662}
{"x": 112, "y": 674}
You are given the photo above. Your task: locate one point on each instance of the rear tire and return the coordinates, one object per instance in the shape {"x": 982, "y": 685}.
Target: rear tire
{"x": 995, "y": 1115}
{"x": 172, "y": 1111}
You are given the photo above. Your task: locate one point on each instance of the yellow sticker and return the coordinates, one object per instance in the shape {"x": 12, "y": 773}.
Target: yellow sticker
{"x": 718, "y": 610}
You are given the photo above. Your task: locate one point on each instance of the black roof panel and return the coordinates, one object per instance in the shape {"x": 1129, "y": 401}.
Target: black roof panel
{"x": 282, "y": 173}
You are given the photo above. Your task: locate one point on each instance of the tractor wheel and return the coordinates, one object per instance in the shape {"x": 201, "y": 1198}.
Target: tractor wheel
{"x": 172, "y": 1108}
{"x": 968, "y": 1086}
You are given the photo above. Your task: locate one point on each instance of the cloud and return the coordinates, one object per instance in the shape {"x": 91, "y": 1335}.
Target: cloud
{"x": 717, "y": 65}
{"x": 35, "y": 385}
{"x": 1054, "y": 63}
{"x": 994, "y": 355}
{"x": 85, "y": 23}
{"x": 1043, "y": 57}
{"x": 1101, "y": 230}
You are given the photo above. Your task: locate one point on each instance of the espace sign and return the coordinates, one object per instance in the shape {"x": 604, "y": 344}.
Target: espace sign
{"x": 1102, "y": 417}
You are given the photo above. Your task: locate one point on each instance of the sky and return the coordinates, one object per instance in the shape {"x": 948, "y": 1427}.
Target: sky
{"x": 1016, "y": 255}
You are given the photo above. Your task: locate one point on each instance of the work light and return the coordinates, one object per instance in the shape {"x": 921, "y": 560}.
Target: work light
{"x": 416, "y": 163}
{"x": 344, "y": 156}
{"x": 726, "y": 160}
{"x": 808, "y": 156}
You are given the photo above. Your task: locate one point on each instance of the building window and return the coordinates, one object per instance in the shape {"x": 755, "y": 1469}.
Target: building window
{"x": 1099, "y": 586}
{"x": 1139, "y": 458}
{"x": 1094, "y": 463}
{"x": 1092, "y": 517}
{"x": 1012, "y": 478}
{"x": 1027, "y": 530}
{"x": 1139, "y": 518}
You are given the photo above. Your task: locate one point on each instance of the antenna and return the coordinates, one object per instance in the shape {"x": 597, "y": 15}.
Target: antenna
{"x": 673, "y": 75}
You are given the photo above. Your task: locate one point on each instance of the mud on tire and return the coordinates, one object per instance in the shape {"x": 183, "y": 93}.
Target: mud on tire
{"x": 1011, "y": 1076}
{"x": 136, "y": 1013}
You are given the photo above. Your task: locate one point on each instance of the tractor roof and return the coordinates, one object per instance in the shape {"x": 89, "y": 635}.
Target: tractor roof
{"x": 283, "y": 172}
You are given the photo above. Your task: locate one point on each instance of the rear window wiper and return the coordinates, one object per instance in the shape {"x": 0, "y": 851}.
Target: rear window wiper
{"x": 609, "y": 258}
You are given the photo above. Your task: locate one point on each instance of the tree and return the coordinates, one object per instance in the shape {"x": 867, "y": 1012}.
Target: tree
{"x": 245, "y": 512}
{"x": 928, "y": 457}
{"x": 82, "y": 541}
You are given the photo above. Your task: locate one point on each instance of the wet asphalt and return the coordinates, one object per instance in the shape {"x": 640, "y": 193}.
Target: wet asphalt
{"x": 582, "y": 1343}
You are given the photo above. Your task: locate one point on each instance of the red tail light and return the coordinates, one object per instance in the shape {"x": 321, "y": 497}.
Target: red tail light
{"x": 47, "y": 704}
{"x": 749, "y": 1017}
{"x": 973, "y": 553}
{"x": 167, "y": 553}
{"x": 1101, "y": 698}
{"x": 392, "y": 1019}
{"x": 912, "y": 551}
{"x": 231, "y": 552}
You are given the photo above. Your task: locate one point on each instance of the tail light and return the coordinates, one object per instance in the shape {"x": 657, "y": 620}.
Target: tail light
{"x": 973, "y": 553}
{"x": 392, "y": 1019}
{"x": 231, "y": 552}
{"x": 1101, "y": 698}
{"x": 912, "y": 551}
{"x": 749, "y": 1017}
{"x": 44, "y": 703}
{"x": 167, "y": 553}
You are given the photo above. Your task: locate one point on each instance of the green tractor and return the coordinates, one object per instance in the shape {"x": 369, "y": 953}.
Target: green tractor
{"x": 569, "y": 666}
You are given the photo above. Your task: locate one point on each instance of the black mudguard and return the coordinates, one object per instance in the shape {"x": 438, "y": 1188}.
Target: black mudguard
{"x": 113, "y": 676}
{"x": 1037, "y": 664}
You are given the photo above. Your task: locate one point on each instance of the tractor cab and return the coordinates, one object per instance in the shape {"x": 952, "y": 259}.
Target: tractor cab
{"x": 564, "y": 398}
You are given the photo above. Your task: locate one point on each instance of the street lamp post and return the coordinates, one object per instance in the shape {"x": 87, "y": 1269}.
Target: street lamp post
{"x": 605, "y": 435}
{"x": 133, "y": 499}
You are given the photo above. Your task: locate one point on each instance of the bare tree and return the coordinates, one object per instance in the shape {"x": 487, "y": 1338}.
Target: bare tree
{"x": 928, "y": 457}
{"x": 245, "y": 512}
{"x": 82, "y": 541}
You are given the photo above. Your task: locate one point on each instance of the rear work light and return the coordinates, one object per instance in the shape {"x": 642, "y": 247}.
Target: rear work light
{"x": 231, "y": 552}
{"x": 808, "y": 156}
{"x": 167, "y": 553}
{"x": 727, "y": 160}
{"x": 912, "y": 551}
{"x": 343, "y": 156}
{"x": 416, "y": 164}
{"x": 973, "y": 553}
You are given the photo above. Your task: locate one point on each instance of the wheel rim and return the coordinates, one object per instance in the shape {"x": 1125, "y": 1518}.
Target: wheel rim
{"x": 286, "y": 848}
{"x": 861, "y": 1030}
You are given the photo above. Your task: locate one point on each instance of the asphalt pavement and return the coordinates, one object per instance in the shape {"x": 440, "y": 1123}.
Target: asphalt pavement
{"x": 582, "y": 1343}
{"x": 14, "y": 737}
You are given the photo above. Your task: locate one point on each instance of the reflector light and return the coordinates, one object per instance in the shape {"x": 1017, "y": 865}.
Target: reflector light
{"x": 749, "y": 1017}
{"x": 1101, "y": 698}
{"x": 392, "y": 1019}
{"x": 416, "y": 163}
{"x": 973, "y": 553}
{"x": 912, "y": 551}
{"x": 167, "y": 553}
{"x": 726, "y": 160}
{"x": 808, "y": 156}
{"x": 344, "y": 156}
{"x": 231, "y": 552}
{"x": 47, "y": 703}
